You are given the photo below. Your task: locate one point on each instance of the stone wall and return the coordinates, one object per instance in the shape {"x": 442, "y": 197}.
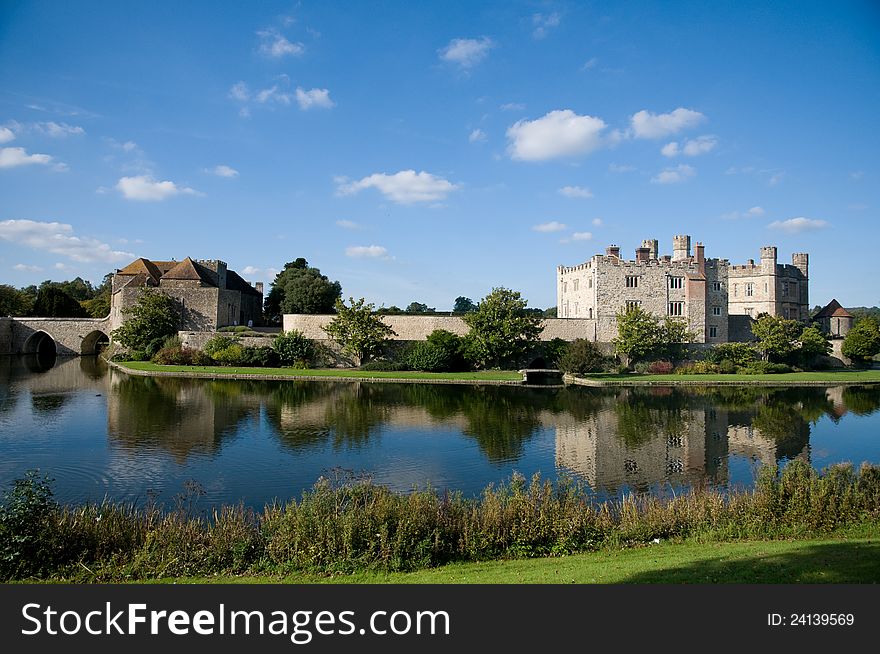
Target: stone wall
{"x": 72, "y": 336}
{"x": 197, "y": 340}
{"x": 5, "y": 336}
{"x": 417, "y": 328}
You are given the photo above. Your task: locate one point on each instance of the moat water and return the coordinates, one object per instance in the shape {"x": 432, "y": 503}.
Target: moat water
{"x": 100, "y": 433}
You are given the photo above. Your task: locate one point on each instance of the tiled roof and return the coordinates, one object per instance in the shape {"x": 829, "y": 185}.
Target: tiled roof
{"x": 190, "y": 270}
{"x": 236, "y": 283}
{"x": 833, "y": 310}
{"x": 144, "y": 266}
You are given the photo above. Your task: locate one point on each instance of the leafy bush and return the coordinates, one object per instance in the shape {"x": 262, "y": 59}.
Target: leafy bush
{"x": 136, "y": 355}
{"x": 174, "y": 356}
{"x": 554, "y": 350}
{"x": 200, "y": 358}
{"x": 453, "y": 345}
{"x": 727, "y": 367}
{"x": 233, "y": 355}
{"x": 294, "y": 348}
{"x": 698, "y": 368}
{"x": 660, "y": 368}
{"x": 741, "y": 354}
{"x": 380, "y": 365}
{"x": 262, "y": 356}
{"x": 581, "y": 357}
{"x": 25, "y": 522}
{"x": 764, "y": 368}
{"x": 428, "y": 357}
{"x": 218, "y": 343}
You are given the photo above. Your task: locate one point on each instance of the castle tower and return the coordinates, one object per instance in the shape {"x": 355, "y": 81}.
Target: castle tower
{"x": 681, "y": 247}
{"x": 652, "y": 245}
{"x": 768, "y": 260}
{"x": 801, "y": 261}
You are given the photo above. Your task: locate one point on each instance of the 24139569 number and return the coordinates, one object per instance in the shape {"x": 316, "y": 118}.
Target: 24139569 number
{"x": 811, "y": 620}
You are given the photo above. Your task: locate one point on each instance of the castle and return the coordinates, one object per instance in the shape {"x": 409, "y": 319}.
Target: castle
{"x": 208, "y": 294}
{"x": 716, "y": 299}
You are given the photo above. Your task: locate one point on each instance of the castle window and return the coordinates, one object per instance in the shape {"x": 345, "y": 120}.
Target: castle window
{"x": 633, "y": 304}
{"x": 575, "y": 288}
{"x": 716, "y": 286}
{"x": 590, "y": 311}
{"x": 713, "y": 332}
{"x": 565, "y": 287}
{"x": 716, "y": 311}
{"x": 575, "y": 309}
{"x": 590, "y": 283}
{"x": 676, "y": 282}
{"x": 735, "y": 289}
{"x": 566, "y": 310}
{"x": 676, "y": 308}
{"x": 632, "y": 281}
{"x": 784, "y": 288}
{"x": 749, "y": 312}
{"x": 750, "y": 290}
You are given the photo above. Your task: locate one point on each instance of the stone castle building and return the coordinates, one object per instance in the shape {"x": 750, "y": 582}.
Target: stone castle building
{"x": 208, "y": 294}
{"x": 716, "y": 299}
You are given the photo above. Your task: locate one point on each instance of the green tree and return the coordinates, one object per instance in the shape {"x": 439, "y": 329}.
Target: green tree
{"x": 639, "y": 334}
{"x": 502, "y": 329}
{"x": 580, "y": 357}
{"x": 147, "y": 323}
{"x": 99, "y": 305}
{"x": 53, "y": 302}
{"x": 418, "y": 307}
{"x": 813, "y": 343}
{"x": 300, "y": 288}
{"x": 550, "y": 312}
{"x": 14, "y": 302}
{"x": 777, "y": 337}
{"x": 359, "y": 331}
{"x": 463, "y": 305}
{"x": 674, "y": 335}
{"x": 294, "y": 349}
{"x": 78, "y": 288}
{"x": 862, "y": 343}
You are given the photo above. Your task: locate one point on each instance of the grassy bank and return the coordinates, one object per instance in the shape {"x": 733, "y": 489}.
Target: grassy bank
{"x": 851, "y": 555}
{"x": 829, "y": 377}
{"x": 308, "y": 373}
{"x": 341, "y": 527}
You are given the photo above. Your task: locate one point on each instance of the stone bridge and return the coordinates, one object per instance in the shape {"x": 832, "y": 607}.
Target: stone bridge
{"x": 63, "y": 336}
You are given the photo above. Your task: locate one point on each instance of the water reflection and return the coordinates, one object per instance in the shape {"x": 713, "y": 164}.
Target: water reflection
{"x": 126, "y": 435}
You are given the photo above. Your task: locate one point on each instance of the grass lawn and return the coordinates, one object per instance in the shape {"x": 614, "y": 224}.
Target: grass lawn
{"x": 829, "y": 376}
{"x": 484, "y": 375}
{"x": 851, "y": 557}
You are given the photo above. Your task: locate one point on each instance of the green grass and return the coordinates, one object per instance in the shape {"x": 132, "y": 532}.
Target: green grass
{"x": 483, "y": 375}
{"x": 824, "y": 376}
{"x": 852, "y": 556}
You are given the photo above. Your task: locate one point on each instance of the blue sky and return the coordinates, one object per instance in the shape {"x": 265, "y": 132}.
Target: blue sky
{"x": 422, "y": 151}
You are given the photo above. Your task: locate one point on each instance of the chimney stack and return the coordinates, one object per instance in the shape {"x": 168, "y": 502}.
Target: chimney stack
{"x": 643, "y": 254}
{"x": 612, "y": 251}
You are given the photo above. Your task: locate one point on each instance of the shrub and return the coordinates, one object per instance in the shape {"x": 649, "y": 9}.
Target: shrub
{"x": 660, "y": 368}
{"x": 218, "y": 343}
{"x": 25, "y": 526}
{"x": 385, "y": 366}
{"x": 200, "y": 358}
{"x": 174, "y": 356}
{"x": 262, "y": 356}
{"x": 727, "y": 367}
{"x": 554, "y": 350}
{"x": 428, "y": 357}
{"x": 764, "y": 368}
{"x": 741, "y": 354}
{"x": 294, "y": 348}
{"x": 580, "y": 357}
{"x": 233, "y": 355}
{"x": 137, "y": 355}
{"x": 453, "y": 345}
{"x": 698, "y": 368}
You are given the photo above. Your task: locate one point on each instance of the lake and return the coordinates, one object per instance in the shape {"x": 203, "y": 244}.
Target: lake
{"x": 100, "y": 433}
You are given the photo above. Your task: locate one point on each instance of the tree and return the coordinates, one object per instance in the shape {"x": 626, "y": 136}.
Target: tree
{"x": 418, "y": 307}
{"x": 674, "y": 334}
{"x": 359, "y": 331}
{"x": 862, "y": 343}
{"x": 299, "y": 288}
{"x": 14, "y": 302}
{"x": 147, "y": 323}
{"x": 580, "y": 357}
{"x": 52, "y": 302}
{"x": 777, "y": 336}
{"x": 639, "y": 334}
{"x": 463, "y": 305}
{"x": 813, "y": 343}
{"x": 502, "y": 329}
{"x": 550, "y": 312}
{"x": 99, "y": 305}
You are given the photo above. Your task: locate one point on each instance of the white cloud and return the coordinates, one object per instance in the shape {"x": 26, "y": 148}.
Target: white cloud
{"x": 690, "y": 147}
{"x": 550, "y": 227}
{"x": 15, "y": 157}
{"x": 798, "y": 225}
{"x": 544, "y": 23}
{"x": 146, "y": 189}
{"x": 347, "y": 224}
{"x": 467, "y": 53}
{"x": 371, "y": 251}
{"x": 477, "y": 135}
{"x": 582, "y": 236}
{"x": 6, "y": 135}
{"x": 750, "y": 213}
{"x": 404, "y": 187}
{"x": 62, "y": 266}
{"x": 275, "y": 46}
{"x": 590, "y": 63}
{"x": 224, "y": 171}
{"x": 315, "y": 98}
{"x": 576, "y": 192}
{"x": 674, "y": 175}
{"x": 273, "y": 94}
{"x": 620, "y": 168}
{"x": 560, "y": 133}
{"x": 646, "y": 125}
{"x": 26, "y": 268}
{"x": 597, "y": 222}
{"x": 259, "y": 273}
{"x": 250, "y": 270}
{"x": 58, "y": 238}
{"x": 240, "y": 92}
{"x": 775, "y": 179}
{"x": 57, "y": 130}
{"x": 512, "y": 106}
{"x": 856, "y": 176}
{"x": 756, "y": 211}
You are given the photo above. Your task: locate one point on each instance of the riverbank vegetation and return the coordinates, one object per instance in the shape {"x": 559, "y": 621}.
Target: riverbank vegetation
{"x": 345, "y": 525}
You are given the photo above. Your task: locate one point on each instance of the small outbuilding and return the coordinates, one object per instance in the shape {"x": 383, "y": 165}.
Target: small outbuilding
{"x": 834, "y": 320}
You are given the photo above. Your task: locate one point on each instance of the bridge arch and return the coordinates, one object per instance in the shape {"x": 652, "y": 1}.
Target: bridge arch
{"x": 94, "y": 342}
{"x": 40, "y": 343}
